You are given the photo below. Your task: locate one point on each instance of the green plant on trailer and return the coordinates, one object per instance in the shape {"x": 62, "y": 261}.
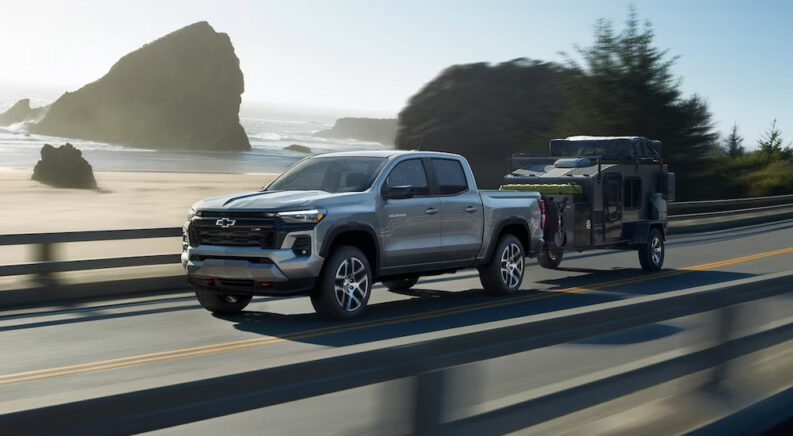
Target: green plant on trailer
{"x": 565, "y": 188}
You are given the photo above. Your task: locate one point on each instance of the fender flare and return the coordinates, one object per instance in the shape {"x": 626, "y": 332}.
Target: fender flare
{"x": 353, "y": 226}
{"x": 508, "y": 221}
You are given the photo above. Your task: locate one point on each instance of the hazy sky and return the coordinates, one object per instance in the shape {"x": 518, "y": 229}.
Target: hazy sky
{"x": 369, "y": 57}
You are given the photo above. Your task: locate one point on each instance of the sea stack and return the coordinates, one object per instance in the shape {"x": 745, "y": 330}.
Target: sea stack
{"x": 21, "y": 111}
{"x": 180, "y": 91}
{"x": 64, "y": 167}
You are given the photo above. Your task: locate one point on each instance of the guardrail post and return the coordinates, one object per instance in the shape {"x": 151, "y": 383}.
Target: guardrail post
{"x": 725, "y": 329}
{"x": 428, "y": 403}
{"x": 44, "y": 255}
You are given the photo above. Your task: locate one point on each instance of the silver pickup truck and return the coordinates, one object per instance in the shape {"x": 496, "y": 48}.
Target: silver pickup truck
{"x": 332, "y": 225}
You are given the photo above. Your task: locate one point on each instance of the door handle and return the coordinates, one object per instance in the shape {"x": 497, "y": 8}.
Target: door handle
{"x": 470, "y": 209}
{"x": 431, "y": 211}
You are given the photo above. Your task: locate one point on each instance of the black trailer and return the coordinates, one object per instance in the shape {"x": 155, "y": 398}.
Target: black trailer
{"x": 599, "y": 193}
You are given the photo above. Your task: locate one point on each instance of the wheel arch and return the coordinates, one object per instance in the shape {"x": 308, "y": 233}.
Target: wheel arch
{"x": 513, "y": 225}
{"x": 637, "y": 232}
{"x": 357, "y": 235}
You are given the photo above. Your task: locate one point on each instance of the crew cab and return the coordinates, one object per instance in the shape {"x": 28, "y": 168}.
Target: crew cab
{"x": 334, "y": 224}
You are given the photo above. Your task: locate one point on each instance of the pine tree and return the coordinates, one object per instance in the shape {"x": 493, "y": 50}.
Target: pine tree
{"x": 734, "y": 145}
{"x": 771, "y": 141}
{"x": 624, "y": 85}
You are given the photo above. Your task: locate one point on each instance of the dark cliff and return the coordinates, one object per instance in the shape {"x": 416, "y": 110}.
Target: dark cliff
{"x": 180, "y": 91}
{"x": 485, "y": 112}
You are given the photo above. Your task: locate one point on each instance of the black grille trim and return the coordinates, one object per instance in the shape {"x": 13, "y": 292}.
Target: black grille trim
{"x": 246, "y": 232}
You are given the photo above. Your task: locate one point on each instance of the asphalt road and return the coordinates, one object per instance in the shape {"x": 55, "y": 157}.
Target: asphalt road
{"x": 61, "y": 354}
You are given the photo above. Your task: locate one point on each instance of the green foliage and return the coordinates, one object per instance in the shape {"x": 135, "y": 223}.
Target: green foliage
{"x": 774, "y": 179}
{"x": 624, "y": 84}
{"x": 734, "y": 143}
{"x": 771, "y": 144}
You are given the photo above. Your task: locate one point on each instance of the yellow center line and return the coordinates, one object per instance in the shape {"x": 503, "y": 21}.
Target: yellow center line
{"x": 324, "y": 331}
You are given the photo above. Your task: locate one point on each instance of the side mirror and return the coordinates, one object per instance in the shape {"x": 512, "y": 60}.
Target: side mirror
{"x": 398, "y": 192}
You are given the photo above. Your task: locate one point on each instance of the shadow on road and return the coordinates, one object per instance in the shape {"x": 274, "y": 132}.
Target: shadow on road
{"x": 430, "y": 310}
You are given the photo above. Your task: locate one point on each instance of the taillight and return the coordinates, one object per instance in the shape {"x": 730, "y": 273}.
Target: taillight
{"x": 542, "y": 212}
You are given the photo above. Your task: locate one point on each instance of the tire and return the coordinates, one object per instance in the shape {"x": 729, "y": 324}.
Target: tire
{"x": 651, "y": 254}
{"x": 550, "y": 257}
{"x": 222, "y": 303}
{"x": 402, "y": 284}
{"x": 504, "y": 273}
{"x": 343, "y": 297}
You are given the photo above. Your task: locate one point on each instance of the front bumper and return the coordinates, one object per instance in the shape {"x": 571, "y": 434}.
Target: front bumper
{"x": 251, "y": 270}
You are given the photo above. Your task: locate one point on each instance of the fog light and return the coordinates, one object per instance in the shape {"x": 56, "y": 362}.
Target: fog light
{"x": 302, "y": 245}
{"x": 209, "y": 282}
{"x": 266, "y": 284}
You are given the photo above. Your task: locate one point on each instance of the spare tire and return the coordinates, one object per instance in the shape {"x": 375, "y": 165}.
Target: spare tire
{"x": 554, "y": 232}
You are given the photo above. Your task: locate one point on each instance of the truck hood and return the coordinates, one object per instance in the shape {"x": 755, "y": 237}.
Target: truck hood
{"x": 268, "y": 200}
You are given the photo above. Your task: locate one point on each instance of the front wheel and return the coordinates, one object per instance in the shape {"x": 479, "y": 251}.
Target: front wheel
{"x": 222, "y": 303}
{"x": 344, "y": 285}
{"x": 651, "y": 254}
{"x": 504, "y": 273}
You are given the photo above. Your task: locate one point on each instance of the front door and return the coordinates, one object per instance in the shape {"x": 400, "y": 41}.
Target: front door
{"x": 411, "y": 230}
{"x": 612, "y": 207}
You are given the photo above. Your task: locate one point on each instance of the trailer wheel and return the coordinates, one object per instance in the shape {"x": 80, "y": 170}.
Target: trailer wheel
{"x": 651, "y": 254}
{"x": 550, "y": 257}
{"x": 504, "y": 273}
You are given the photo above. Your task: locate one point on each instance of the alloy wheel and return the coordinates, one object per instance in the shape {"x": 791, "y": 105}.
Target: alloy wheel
{"x": 351, "y": 284}
{"x": 512, "y": 265}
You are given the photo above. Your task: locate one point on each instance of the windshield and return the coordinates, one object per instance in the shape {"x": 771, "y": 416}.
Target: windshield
{"x": 330, "y": 174}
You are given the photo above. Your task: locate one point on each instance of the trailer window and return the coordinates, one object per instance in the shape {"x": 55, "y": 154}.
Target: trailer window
{"x": 632, "y": 193}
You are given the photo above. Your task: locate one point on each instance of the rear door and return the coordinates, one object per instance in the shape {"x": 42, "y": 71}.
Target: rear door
{"x": 612, "y": 206}
{"x": 411, "y": 231}
{"x": 461, "y": 210}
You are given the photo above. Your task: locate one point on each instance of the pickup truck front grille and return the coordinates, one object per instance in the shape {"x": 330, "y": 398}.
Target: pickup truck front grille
{"x": 244, "y": 232}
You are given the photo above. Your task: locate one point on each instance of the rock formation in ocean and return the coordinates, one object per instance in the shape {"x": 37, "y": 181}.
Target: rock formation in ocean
{"x": 298, "y": 148}
{"x": 180, "y": 91}
{"x": 363, "y": 129}
{"x": 485, "y": 112}
{"x": 64, "y": 167}
{"x": 21, "y": 111}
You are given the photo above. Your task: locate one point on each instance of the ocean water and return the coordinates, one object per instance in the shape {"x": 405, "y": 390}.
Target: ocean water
{"x": 269, "y": 133}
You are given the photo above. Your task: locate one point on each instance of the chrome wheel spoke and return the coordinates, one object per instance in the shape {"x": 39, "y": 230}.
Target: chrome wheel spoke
{"x": 352, "y": 284}
{"x": 511, "y": 265}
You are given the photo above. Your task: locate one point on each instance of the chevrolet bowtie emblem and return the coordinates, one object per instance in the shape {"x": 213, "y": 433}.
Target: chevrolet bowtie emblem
{"x": 225, "y": 222}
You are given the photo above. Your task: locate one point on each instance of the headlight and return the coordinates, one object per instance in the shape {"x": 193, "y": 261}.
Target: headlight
{"x": 303, "y": 216}
{"x": 190, "y": 214}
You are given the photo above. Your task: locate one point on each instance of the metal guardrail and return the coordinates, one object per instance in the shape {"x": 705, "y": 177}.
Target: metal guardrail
{"x": 692, "y": 207}
{"x": 45, "y": 264}
{"x": 429, "y": 361}
{"x": 738, "y": 211}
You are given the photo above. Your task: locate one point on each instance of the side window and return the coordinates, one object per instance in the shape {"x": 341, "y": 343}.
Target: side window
{"x": 632, "y": 193}
{"x": 409, "y": 172}
{"x": 451, "y": 177}
{"x": 612, "y": 191}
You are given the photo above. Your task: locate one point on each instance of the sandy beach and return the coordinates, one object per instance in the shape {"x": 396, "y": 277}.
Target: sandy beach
{"x": 125, "y": 200}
